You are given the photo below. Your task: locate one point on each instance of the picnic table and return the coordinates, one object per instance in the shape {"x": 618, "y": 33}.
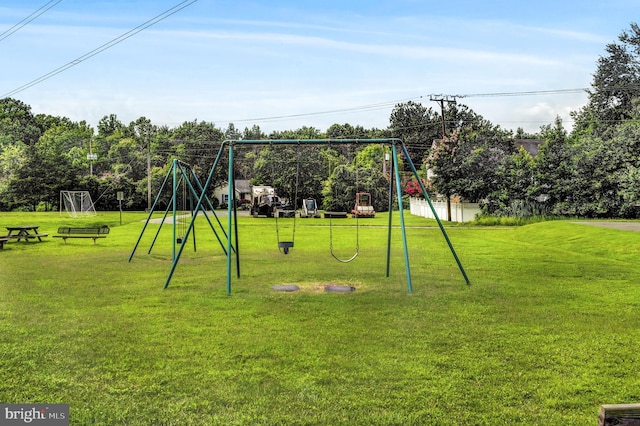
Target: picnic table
{"x": 24, "y": 232}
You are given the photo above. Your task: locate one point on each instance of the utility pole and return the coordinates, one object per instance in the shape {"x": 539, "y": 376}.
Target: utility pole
{"x": 91, "y": 157}
{"x": 441, "y": 99}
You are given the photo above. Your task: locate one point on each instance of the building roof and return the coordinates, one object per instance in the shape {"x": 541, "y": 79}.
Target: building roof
{"x": 531, "y": 145}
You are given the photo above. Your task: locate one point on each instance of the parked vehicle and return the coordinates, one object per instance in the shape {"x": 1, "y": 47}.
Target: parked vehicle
{"x": 364, "y": 206}
{"x": 309, "y": 208}
{"x": 264, "y": 201}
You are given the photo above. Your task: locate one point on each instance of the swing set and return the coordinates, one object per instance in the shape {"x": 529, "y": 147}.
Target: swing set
{"x": 185, "y": 190}
{"x": 197, "y": 193}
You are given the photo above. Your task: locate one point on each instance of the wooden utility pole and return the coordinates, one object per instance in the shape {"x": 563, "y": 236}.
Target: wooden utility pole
{"x": 441, "y": 99}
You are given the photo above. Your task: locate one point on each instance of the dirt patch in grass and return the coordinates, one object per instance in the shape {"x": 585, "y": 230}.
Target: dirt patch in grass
{"x": 318, "y": 287}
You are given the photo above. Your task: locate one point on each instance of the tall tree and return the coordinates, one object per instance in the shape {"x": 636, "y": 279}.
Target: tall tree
{"x": 468, "y": 161}
{"x": 339, "y": 191}
{"x": 48, "y": 170}
{"x": 253, "y": 133}
{"x": 199, "y": 142}
{"x": 17, "y": 123}
{"x": 291, "y": 170}
{"x": 512, "y": 193}
{"x": 554, "y": 173}
{"x": 616, "y": 83}
{"x": 346, "y": 131}
{"x": 418, "y": 127}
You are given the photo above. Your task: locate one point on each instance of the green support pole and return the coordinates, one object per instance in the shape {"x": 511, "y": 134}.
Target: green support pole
{"x": 229, "y": 218}
{"x": 204, "y": 211}
{"x": 198, "y": 207}
{"x": 174, "y": 197}
{"x": 155, "y": 203}
{"x": 433, "y": 210}
{"x": 164, "y": 217}
{"x": 390, "y": 219}
{"x": 402, "y": 227}
{"x": 235, "y": 225}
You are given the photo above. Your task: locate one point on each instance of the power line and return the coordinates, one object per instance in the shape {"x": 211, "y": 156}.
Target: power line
{"x": 526, "y": 93}
{"x": 370, "y": 107}
{"x": 383, "y": 105}
{"x": 28, "y": 19}
{"x": 105, "y": 46}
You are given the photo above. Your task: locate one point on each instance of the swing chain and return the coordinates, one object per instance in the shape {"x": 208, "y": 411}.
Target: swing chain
{"x": 357, "y": 251}
{"x": 284, "y": 246}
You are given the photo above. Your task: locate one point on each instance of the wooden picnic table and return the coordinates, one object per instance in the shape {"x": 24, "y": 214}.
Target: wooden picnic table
{"x": 24, "y": 232}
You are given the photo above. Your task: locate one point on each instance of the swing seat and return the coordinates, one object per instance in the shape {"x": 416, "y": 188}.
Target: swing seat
{"x": 284, "y": 246}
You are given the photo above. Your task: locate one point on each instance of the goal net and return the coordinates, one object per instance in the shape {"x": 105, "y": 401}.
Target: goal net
{"x": 77, "y": 203}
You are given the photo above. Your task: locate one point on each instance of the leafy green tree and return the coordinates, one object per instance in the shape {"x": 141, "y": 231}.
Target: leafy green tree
{"x": 342, "y": 185}
{"x": 616, "y": 83}
{"x": 346, "y": 131}
{"x": 232, "y": 133}
{"x": 55, "y": 148}
{"x": 253, "y": 133}
{"x": 110, "y": 125}
{"x": 512, "y": 194}
{"x": 303, "y": 132}
{"x": 23, "y": 188}
{"x": 629, "y": 179}
{"x": 614, "y": 171}
{"x": 110, "y": 132}
{"x": 199, "y": 142}
{"x": 554, "y": 173}
{"x": 354, "y": 172}
{"x": 17, "y": 123}
{"x": 248, "y": 153}
{"x": 468, "y": 162}
{"x": 340, "y": 189}
{"x": 290, "y": 169}
{"x": 12, "y": 158}
{"x": 53, "y": 164}
{"x": 371, "y": 155}
{"x": 418, "y": 127}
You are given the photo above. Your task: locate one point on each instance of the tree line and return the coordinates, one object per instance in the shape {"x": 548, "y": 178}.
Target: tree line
{"x": 591, "y": 171}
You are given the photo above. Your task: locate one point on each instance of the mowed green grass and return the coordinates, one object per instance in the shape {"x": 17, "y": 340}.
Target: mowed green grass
{"x": 547, "y": 331}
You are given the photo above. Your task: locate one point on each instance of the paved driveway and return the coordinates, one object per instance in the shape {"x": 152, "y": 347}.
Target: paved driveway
{"x": 625, "y": 226}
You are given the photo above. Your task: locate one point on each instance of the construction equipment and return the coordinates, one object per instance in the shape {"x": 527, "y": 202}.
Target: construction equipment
{"x": 364, "y": 206}
{"x": 309, "y": 208}
{"x": 264, "y": 201}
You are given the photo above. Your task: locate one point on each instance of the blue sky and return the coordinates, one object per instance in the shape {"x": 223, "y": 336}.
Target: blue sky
{"x": 286, "y": 64}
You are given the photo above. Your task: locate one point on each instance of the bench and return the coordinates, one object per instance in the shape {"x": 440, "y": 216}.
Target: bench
{"x": 95, "y": 233}
{"x": 2, "y": 241}
{"x": 336, "y": 215}
{"x": 619, "y": 414}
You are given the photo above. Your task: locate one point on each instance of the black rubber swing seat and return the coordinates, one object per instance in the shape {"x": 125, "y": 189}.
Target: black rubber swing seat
{"x": 284, "y": 246}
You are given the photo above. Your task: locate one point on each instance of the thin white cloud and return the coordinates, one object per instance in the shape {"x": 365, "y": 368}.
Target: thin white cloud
{"x": 391, "y": 50}
{"x": 242, "y": 65}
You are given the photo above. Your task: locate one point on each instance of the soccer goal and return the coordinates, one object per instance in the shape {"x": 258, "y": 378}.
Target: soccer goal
{"x": 77, "y": 203}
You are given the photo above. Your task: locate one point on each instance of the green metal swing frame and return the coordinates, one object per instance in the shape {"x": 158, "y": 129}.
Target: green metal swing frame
{"x": 182, "y": 175}
{"x": 232, "y": 223}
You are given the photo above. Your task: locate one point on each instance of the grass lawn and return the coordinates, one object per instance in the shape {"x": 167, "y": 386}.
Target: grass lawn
{"x": 547, "y": 331}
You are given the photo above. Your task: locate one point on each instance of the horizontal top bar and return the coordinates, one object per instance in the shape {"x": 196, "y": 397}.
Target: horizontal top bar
{"x": 389, "y": 141}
